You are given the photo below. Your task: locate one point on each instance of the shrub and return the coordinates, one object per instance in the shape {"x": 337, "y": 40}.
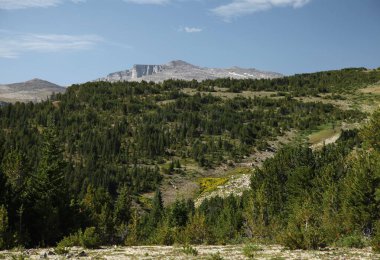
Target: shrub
{"x": 376, "y": 238}
{"x": 352, "y": 241}
{"x": 215, "y": 256}
{"x": 189, "y": 250}
{"x": 3, "y": 226}
{"x": 87, "y": 239}
{"x": 210, "y": 184}
{"x": 90, "y": 238}
{"x": 69, "y": 241}
{"x": 250, "y": 250}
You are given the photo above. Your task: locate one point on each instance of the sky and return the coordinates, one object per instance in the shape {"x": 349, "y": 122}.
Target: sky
{"x": 74, "y": 41}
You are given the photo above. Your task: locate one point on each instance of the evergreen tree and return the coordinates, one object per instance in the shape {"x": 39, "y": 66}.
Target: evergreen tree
{"x": 50, "y": 192}
{"x": 157, "y": 211}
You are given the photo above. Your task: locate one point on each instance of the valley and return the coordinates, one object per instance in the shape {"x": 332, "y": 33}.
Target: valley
{"x": 223, "y": 161}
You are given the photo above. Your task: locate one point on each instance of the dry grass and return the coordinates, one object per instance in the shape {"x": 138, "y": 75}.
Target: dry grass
{"x": 204, "y": 252}
{"x": 324, "y": 135}
{"x": 374, "y": 89}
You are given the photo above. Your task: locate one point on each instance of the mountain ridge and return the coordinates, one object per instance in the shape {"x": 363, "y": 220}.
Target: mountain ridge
{"x": 34, "y": 90}
{"x": 179, "y": 69}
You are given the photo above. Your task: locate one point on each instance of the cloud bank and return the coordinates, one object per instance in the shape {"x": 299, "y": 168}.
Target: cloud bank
{"x": 148, "y": 2}
{"x": 244, "y": 7}
{"x": 12, "y": 45}
{"x": 23, "y": 4}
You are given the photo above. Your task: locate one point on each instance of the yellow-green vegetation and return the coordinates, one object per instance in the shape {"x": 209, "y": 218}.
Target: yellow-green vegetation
{"x": 251, "y": 250}
{"x": 189, "y": 250}
{"x": 145, "y": 202}
{"x": 325, "y": 132}
{"x": 211, "y": 184}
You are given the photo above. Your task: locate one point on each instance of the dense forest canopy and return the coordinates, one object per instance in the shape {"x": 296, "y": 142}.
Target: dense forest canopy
{"x": 77, "y": 164}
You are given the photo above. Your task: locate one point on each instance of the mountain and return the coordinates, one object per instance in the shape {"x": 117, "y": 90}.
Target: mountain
{"x": 182, "y": 70}
{"x": 33, "y": 90}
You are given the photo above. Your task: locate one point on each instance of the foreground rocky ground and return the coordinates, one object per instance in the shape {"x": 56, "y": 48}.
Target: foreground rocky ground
{"x": 200, "y": 252}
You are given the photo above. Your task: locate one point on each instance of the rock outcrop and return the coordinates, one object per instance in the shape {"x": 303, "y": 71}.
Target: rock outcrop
{"x": 182, "y": 70}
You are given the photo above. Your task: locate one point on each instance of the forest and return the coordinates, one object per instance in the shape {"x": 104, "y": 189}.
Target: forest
{"x": 73, "y": 167}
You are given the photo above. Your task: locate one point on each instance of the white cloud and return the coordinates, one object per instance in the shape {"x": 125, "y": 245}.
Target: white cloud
{"x": 12, "y": 45}
{"x": 23, "y": 4}
{"x": 244, "y": 7}
{"x": 150, "y": 2}
{"x": 78, "y": 1}
{"x": 192, "y": 29}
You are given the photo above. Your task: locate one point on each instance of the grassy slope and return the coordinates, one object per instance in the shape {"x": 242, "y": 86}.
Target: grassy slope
{"x": 366, "y": 99}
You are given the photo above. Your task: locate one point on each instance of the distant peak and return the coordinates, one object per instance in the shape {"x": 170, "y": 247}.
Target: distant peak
{"x": 39, "y": 82}
{"x": 175, "y": 63}
{"x": 34, "y": 80}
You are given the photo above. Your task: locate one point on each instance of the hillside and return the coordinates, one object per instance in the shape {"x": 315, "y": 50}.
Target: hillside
{"x": 33, "y": 90}
{"x": 184, "y": 71}
{"x": 123, "y": 162}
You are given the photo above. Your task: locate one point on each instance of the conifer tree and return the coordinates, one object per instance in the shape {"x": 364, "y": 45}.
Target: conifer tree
{"x": 50, "y": 192}
{"x": 157, "y": 208}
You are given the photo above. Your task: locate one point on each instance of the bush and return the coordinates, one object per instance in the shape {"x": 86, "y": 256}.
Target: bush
{"x": 376, "y": 238}
{"x": 352, "y": 241}
{"x": 250, "y": 250}
{"x": 215, "y": 256}
{"x": 3, "y": 226}
{"x": 189, "y": 250}
{"x": 210, "y": 184}
{"x": 69, "y": 241}
{"x": 90, "y": 238}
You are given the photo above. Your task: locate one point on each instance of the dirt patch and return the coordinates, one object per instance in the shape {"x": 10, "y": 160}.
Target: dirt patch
{"x": 374, "y": 89}
{"x": 179, "y": 187}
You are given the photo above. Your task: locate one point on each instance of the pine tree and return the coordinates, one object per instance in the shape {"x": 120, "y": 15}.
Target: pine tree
{"x": 157, "y": 208}
{"x": 133, "y": 229}
{"x": 50, "y": 192}
{"x": 122, "y": 211}
{"x": 14, "y": 170}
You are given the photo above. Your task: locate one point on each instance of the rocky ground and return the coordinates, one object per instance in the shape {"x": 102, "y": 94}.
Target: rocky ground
{"x": 200, "y": 252}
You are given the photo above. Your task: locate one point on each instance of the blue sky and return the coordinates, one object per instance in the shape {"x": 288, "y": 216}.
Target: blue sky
{"x": 73, "y": 41}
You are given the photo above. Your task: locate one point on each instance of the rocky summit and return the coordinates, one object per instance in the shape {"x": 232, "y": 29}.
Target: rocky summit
{"x": 179, "y": 69}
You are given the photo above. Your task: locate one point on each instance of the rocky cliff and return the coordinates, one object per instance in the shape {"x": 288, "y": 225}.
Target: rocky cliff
{"x": 182, "y": 70}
